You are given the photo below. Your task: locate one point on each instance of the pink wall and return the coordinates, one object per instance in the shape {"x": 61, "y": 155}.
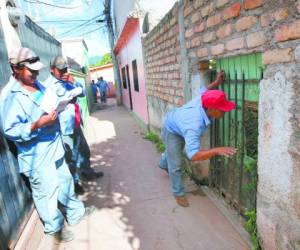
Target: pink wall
{"x": 132, "y": 50}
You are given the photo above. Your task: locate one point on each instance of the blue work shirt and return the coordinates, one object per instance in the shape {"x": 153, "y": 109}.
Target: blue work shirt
{"x": 189, "y": 122}
{"x": 103, "y": 86}
{"x": 19, "y": 108}
{"x": 94, "y": 88}
{"x": 61, "y": 89}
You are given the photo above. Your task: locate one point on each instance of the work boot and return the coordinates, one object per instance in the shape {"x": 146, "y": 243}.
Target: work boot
{"x": 182, "y": 201}
{"x": 63, "y": 235}
{"x": 91, "y": 175}
{"x": 79, "y": 188}
{"x": 88, "y": 211}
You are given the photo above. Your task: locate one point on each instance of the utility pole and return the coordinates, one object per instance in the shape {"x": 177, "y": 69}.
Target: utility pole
{"x": 111, "y": 39}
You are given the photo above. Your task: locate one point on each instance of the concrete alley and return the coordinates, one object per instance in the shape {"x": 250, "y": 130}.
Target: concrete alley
{"x": 135, "y": 208}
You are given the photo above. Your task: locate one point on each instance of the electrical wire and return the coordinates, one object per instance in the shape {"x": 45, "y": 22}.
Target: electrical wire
{"x": 53, "y": 5}
{"x": 90, "y": 31}
{"x": 61, "y": 21}
{"x": 80, "y": 26}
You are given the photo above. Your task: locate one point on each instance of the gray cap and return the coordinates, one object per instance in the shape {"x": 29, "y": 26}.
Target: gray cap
{"x": 25, "y": 57}
{"x": 59, "y": 62}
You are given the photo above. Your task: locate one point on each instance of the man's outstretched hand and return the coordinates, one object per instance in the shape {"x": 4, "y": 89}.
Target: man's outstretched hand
{"x": 219, "y": 80}
{"x": 226, "y": 151}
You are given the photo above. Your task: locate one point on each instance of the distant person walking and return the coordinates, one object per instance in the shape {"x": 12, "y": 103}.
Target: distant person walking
{"x": 94, "y": 90}
{"x": 103, "y": 87}
{"x": 36, "y": 135}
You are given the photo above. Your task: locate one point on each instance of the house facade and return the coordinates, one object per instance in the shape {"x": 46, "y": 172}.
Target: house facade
{"x": 128, "y": 19}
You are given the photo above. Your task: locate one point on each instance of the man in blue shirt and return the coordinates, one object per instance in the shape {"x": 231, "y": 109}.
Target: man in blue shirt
{"x": 103, "y": 87}
{"x": 77, "y": 149}
{"x": 37, "y": 137}
{"x": 184, "y": 126}
{"x": 94, "y": 90}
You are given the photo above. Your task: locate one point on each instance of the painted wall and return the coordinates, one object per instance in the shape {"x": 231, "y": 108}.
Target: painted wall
{"x": 132, "y": 50}
{"x": 105, "y": 71}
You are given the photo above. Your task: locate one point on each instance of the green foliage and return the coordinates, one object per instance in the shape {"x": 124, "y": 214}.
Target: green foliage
{"x": 106, "y": 59}
{"x": 251, "y": 227}
{"x": 160, "y": 146}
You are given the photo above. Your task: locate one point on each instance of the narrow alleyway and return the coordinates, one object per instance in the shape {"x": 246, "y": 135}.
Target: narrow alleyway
{"x": 135, "y": 209}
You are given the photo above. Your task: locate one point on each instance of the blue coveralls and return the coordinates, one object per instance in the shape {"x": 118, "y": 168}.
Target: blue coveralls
{"x": 182, "y": 126}
{"x": 77, "y": 149}
{"x": 103, "y": 87}
{"x": 40, "y": 157}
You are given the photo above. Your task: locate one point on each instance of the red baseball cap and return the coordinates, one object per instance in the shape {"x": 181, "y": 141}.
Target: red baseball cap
{"x": 216, "y": 99}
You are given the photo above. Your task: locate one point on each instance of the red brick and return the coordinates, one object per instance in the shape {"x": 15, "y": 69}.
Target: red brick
{"x": 245, "y": 23}
{"x": 252, "y": 4}
{"x": 277, "y": 56}
{"x": 224, "y": 31}
{"x": 281, "y": 14}
{"x": 232, "y": 11}
{"x": 237, "y": 43}
{"x": 213, "y": 20}
{"x": 256, "y": 39}
{"x": 189, "y": 32}
{"x": 195, "y": 17}
{"x": 199, "y": 27}
{"x": 173, "y": 21}
{"x": 208, "y": 37}
{"x": 266, "y": 19}
{"x": 198, "y": 3}
{"x": 221, "y": 3}
{"x": 207, "y": 10}
{"x": 288, "y": 32}
{"x": 188, "y": 10}
{"x": 217, "y": 49}
{"x": 203, "y": 52}
{"x": 195, "y": 42}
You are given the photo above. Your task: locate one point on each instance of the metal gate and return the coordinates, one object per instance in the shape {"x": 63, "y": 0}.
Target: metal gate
{"x": 236, "y": 178}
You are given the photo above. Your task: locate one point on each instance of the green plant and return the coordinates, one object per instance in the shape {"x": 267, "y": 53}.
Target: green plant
{"x": 251, "y": 227}
{"x": 106, "y": 59}
{"x": 160, "y": 146}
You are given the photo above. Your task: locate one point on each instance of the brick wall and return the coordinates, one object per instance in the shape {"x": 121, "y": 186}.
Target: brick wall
{"x": 215, "y": 29}
{"x": 162, "y": 58}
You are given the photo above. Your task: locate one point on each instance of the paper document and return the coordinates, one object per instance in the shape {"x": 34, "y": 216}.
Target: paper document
{"x": 51, "y": 102}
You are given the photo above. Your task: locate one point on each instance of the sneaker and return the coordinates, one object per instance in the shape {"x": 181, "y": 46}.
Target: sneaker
{"x": 79, "y": 189}
{"x": 63, "y": 235}
{"x": 182, "y": 201}
{"x": 92, "y": 175}
{"x": 88, "y": 211}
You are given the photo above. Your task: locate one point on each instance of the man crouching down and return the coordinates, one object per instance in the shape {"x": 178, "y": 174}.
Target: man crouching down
{"x": 184, "y": 126}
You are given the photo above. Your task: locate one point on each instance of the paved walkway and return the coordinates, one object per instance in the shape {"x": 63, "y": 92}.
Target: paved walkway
{"x": 135, "y": 209}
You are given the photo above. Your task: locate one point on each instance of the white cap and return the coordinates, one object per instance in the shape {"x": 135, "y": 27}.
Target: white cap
{"x": 25, "y": 57}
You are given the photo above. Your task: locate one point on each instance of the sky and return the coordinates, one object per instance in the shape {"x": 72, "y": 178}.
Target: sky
{"x": 71, "y": 19}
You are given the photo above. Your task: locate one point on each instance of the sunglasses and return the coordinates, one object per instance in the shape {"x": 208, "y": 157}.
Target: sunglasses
{"x": 29, "y": 60}
{"x": 63, "y": 71}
